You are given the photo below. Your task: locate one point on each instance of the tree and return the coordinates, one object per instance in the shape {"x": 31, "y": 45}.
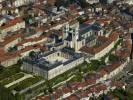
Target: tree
{"x": 79, "y": 77}
{"x": 113, "y": 58}
{"x": 31, "y": 54}
{"x": 45, "y": 91}
{"x": 59, "y": 3}
{"x": 19, "y": 62}
{"x": 94, "y": 64}
{"x": 102, "y": 62}
{"x": 1, "y": 68}
{"x": 5, "y": 94}
{"x": 79, "y": 69}
{"x": 49, "y": 86}
{"x": 19, "y": 97}
{"x": 83, "y": 3}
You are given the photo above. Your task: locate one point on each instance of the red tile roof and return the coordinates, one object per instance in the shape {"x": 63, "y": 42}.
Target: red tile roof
{"x": 9, "y": 39}
{"x": 7, "y": 57}
{"x": 36, "y": 39}
{"x": 72, "y": 97}
{"x": 95, "y": 50}
{"x": 43, "y": 98}
{"x": 117, "y": 84}
{"x": 12, "y": 23}
{"x": 66, "y": 90}
{"x": 111, "y": 67}
{"x": 106, "y": 41}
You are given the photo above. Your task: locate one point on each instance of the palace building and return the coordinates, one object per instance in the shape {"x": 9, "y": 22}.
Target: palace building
{"x": 53, "y": 63}
{"x": 67, "y": 54}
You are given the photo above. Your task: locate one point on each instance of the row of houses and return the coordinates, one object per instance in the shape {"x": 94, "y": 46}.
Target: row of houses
{"x": 93, "y": 85}
{"x": 106, "y": 44}
{"x": 14, "y": 24}
{"x": 9, "y": 59}
{"x": 92, "y": 92}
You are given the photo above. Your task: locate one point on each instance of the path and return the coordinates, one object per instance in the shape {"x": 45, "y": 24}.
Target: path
{"x": 19, "y": 80}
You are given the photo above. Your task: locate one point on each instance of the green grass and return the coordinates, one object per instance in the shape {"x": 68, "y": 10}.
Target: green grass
{"x": 75, "y": 79}
{"x": 7, "y": 72}
{"x": 12, "y": 78}
{"x": 114, "y": 48}
{"x": 25, "y": 83}
{"x": 113, "y": 58}
{"x": 60, "y": 78}
{"x": 118, "y": 94}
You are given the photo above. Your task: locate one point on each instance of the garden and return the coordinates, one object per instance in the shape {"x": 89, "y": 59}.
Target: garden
{"x": 12, "y": 78}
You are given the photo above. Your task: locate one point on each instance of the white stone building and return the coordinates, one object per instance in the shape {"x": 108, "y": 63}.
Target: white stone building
{"x": 52, "y": 64}
{"x": 76, "y": 36}
{"x": 92, "y": 1}
{"x": 12, "y": 26}
{"x": 18, "y": 3}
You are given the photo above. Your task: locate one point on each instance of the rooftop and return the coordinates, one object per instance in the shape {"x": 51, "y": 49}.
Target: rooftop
{"x": 52, "y": 59}
{"x": 85, "y": 27}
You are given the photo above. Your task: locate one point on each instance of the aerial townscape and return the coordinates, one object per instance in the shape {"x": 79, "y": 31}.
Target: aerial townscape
{"x": 66, "y": 49}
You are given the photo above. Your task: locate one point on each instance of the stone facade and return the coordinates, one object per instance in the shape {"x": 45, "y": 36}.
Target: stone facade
{"x": 54, "y": 68}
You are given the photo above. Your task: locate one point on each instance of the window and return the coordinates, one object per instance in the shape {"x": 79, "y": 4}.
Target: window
{"x": 58, "y": 54}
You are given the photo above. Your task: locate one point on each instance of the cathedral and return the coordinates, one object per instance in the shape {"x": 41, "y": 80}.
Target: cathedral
{"x": 78, "y": 35}
{"x": 72, "y": 37}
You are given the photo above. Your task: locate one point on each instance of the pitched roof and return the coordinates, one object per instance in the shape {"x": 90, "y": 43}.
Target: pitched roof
{"x": 12, "y": 23}
{"x": 9, "y": 39}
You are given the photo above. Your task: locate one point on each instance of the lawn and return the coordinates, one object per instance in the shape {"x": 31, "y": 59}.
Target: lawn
{"x": 75, "y": 79}
{"x": 26, "y": 83}
{"x": 12, "y": 78}
{"x": 7, "y": 72}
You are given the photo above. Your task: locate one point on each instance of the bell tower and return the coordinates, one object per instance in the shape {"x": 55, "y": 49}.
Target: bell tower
{"x": 65, "y": 31}
{"x": 75, "y": 37}
{"x": 71, "y": 36}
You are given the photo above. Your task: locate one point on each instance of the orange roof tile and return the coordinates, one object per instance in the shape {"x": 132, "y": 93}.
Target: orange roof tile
{"x": 12, "y": 23}
{"x": 8, "y": 39}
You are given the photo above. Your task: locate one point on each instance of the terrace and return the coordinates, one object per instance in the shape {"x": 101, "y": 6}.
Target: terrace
{"x": 7, "y": 72}
{"x": 25, "y": 84}
{"x": 12, "y": 78}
